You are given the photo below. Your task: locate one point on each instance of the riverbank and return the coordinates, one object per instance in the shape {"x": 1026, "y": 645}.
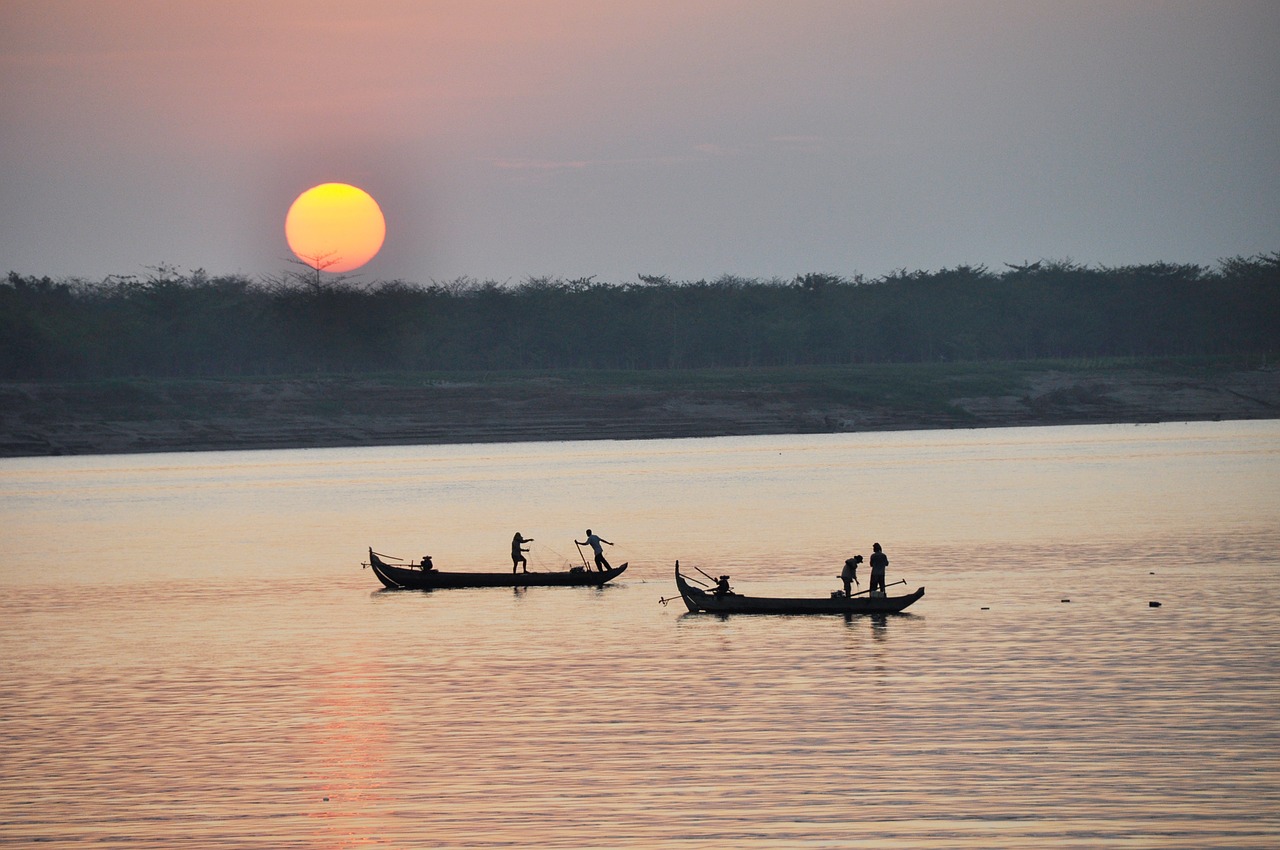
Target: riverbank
{"x": 149, "y": 415}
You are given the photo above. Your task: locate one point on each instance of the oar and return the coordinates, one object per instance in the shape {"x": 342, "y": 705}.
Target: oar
{"x": 582, "y": 556}
{"x": 868, "y": 590}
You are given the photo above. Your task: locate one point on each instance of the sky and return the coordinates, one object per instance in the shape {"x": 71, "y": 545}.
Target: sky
{"x": 515, "y": 139}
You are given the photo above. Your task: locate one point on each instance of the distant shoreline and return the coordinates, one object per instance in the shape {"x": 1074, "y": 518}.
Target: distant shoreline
{"x": 147, "y": 415}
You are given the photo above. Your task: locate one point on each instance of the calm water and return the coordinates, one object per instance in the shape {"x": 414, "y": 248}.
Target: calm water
{"x": 191, "y": 651}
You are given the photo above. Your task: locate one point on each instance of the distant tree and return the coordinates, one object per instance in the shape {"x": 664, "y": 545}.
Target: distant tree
{"x": 166, "y": 322}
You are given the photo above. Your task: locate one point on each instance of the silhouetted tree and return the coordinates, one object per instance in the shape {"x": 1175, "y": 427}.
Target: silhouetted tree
{"x": 165, "y": 323}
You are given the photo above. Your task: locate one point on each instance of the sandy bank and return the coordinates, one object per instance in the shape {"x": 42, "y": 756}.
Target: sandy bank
{"x": 180, "y": 415}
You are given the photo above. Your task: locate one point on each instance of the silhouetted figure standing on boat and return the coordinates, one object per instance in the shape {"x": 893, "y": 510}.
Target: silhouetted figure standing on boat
{"x": 879, "y": 561}
{"x": 850, "y": 573}
{"x": 594, "y": 541}
{"x": 517, "y": 554}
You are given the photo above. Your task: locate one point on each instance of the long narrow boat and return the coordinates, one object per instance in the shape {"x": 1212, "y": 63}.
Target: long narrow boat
{"x": 708, "y": 602}
{"x": 404, "y": 577}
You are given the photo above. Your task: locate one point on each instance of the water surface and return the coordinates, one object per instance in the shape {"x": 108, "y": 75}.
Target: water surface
{"x": 192, "y": 653}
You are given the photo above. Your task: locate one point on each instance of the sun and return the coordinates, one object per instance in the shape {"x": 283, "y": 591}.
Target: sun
{"x": 335, "y": 227}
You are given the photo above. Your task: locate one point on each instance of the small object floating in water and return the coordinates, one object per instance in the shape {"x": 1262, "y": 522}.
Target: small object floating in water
{"x": 1153, "y": 604}
{"x": 986, "y": 608}
{"x": 1066, "y": 600}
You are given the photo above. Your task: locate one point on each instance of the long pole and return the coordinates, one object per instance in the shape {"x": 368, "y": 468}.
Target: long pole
{"x": 868, "y": 590}
{"x": 704, "y": 572}
{"x": 580, "y": 555}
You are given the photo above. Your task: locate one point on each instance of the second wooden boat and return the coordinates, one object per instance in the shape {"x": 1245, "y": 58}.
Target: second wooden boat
{"x": 709, "y": 602}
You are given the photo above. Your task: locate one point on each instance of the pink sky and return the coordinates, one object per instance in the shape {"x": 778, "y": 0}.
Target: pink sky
{"x": 698, "y": 138}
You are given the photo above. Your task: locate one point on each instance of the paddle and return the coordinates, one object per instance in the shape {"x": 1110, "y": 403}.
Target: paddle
{"x": 582, "y": 556}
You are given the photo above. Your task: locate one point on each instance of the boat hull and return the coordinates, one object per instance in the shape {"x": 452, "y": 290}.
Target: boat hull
{"x": 699, "y": 601}
{"x": 405, "y": 578}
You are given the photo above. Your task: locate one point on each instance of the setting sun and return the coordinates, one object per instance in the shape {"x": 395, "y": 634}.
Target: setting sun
{"x": 335, "y": 227}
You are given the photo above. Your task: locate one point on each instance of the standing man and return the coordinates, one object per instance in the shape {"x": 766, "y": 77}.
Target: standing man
{"x": 594, "y": 541}
{"x": 879, "y": 561}
{"x": 850, "y": 574}
{"x": 517, "y": 554}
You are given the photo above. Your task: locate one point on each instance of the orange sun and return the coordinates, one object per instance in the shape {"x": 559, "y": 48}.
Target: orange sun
{"x": 335, "y": 227}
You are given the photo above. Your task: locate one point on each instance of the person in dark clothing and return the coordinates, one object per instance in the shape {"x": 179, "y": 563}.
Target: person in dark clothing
{"x": 722, "y": 587}
{"x": 879, "y": 561}
{"x": 849, "y": 575}
{"x": 594, "y": 541}
{"x": 517, "y": 554}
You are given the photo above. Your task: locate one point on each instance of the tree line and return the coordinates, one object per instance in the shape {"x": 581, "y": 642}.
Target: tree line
{"x": 171, "y": 324}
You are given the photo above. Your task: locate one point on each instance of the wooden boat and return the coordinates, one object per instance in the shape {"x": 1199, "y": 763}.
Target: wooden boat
{"x": 408, "y": 577}
{"x": 704, "y": 601}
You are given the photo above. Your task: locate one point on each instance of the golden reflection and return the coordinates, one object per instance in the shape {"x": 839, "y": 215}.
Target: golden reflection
{"x": 350, "y": 756}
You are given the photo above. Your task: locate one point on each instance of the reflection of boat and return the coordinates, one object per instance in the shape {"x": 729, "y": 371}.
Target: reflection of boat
{"x": 709, "y": 602}
{"x": 403, "y": 576}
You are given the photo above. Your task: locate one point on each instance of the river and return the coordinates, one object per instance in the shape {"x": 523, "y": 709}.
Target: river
{"x": 192, "y": 652}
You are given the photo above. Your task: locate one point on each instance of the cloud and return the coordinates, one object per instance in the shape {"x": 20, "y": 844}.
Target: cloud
{"x": 542, "y": 164}
{"x": 713, "y": 149}
{"x": 809, "y": 144}
{"x": 528, "y": 164}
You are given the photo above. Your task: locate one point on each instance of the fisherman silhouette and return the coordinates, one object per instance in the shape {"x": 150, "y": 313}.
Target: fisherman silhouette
{"x": 517, "y": 554}
{"x": 879, "y": 561}
{"x": 594, "y": 541}
{"x": 850, "y": 573}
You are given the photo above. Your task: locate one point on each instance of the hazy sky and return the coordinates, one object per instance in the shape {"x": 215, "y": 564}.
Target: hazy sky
{"x": 691, "y": 138}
